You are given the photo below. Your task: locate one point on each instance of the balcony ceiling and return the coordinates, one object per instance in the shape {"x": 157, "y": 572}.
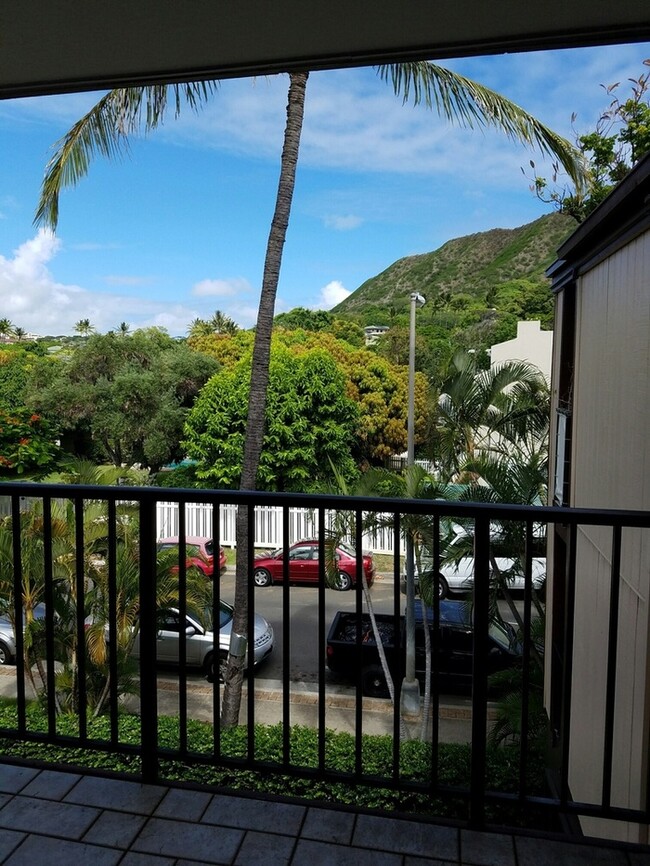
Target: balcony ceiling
{"x": 53, "y": 46}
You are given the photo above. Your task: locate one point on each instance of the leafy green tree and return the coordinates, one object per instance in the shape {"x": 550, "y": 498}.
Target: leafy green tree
{"x": 619, "y": 140}
{"x": 348, "y": 331}
{"x": 28, "y": 444}
{"x": 307, "y": 320}
{"x": 309, "y": 423}
{"x": 227, "y": 349}
{"x": 130, "y": 394}
{"x": 15, "y": 370}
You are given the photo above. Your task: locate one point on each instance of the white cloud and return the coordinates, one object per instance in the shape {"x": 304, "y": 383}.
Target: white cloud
{"x": 222, "y": 288}
{"x": 331, "y": 295}
{"x": 33, "y": 299}
{"x": 342, "y": 223}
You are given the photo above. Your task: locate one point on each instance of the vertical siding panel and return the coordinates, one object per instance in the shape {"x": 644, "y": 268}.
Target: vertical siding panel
{"x": 610, "y": 469}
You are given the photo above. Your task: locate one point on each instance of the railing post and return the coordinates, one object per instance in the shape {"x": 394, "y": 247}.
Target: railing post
{"x": 481, "y": 617}
{"x": 148, "y": 632}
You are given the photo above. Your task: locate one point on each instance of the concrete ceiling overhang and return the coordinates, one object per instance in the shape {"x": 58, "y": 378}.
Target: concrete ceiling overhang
{"x": 54, "y": 46}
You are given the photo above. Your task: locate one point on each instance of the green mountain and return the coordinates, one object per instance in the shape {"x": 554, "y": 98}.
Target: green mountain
{"x": 480, "y": 271}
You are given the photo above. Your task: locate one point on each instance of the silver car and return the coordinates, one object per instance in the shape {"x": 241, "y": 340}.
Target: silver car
{"x": 199, "y": 641}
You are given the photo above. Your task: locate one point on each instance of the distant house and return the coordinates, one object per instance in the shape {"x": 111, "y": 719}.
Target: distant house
{"x": 373, "y": 332}
{"x": 531, "y": 344}
{"x": 600, "y": 458}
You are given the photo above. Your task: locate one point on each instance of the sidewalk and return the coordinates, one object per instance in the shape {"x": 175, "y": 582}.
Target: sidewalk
{"x": 455, "y": 718}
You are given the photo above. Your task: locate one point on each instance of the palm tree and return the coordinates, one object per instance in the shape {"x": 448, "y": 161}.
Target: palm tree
{"x": 124, "y": 329}
{"x": 19, "y": 333}
{"x": 83, "y": 327}
{"x": 105, "y": 130}
{"x": 222, "y": 324}
{"x": 6, "y": 328}
{"x": 478, "y": 407}
{"x": 200, "y": 328}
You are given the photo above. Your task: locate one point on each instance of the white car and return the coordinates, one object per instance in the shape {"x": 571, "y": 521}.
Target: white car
{"x": 199, "y": 641}
{"x": 459, "y": 576}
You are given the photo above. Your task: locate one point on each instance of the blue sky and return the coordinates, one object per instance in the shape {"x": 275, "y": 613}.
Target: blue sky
{"x": 178, "y": 229}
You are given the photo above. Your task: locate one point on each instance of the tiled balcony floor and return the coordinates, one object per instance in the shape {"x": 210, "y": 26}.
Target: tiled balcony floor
{"x": 50, "y": 818}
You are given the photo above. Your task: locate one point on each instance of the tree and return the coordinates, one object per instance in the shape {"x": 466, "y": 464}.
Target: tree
{"x": 619, "y": 140}
{"x": 124, "y": 329}
{"x": 28, "y": 444}
{"x": 129, "y": 395}
{"x": 83, "y": 327}
{"x": 105, "y": 129}
{"x": 308, "y": 320}
{"x": 310, "y": 423}
{"x": 6, "y": 328}
{"x": 199, "y": 328}
{"x": 222, "y": 324}
{"x": 477, "y": 406}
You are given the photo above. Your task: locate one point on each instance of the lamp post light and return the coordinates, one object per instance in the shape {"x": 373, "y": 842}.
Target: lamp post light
{"x": 410, "y": 693}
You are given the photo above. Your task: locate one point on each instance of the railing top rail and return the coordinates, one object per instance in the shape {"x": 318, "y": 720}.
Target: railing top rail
{"x": 442, "y": 507}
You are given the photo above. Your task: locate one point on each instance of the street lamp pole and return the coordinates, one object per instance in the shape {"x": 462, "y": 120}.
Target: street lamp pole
{"x": 410, "y": 694}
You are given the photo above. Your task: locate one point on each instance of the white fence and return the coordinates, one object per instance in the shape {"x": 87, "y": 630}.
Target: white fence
{"x": 268, "y": 525}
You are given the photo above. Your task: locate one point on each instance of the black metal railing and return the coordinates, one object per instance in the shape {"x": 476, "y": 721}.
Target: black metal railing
{"x": 51, "y": 535}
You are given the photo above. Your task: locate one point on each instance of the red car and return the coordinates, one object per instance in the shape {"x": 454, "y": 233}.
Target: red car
{"x": 303, "y": 565}
{"x": 199, "y": 550}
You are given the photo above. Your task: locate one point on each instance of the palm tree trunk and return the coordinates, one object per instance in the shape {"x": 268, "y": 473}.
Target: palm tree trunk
{"x": 260, "y": 379}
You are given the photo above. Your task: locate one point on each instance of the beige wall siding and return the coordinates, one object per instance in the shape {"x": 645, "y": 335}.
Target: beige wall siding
{"x": 611, "y": 469}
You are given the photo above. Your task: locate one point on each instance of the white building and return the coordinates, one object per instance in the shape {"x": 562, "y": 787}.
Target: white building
{"x": 531, "y": 344}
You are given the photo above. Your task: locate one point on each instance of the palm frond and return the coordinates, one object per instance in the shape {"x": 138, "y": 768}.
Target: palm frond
{"x": 105, "y": 131}
{"x": 463, "y": 101}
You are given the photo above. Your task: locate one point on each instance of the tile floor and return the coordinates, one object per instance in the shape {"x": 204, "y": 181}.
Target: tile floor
{"x": 50, "y": 818}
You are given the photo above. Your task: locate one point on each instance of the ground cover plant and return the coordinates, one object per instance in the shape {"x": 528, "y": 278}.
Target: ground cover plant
{"x": 454, "y": 762}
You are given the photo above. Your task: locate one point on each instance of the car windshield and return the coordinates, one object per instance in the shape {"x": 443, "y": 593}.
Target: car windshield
{"x": 499, "y": 635}
{"x": 347, "y": 548}
{"x": 205, "y": 616}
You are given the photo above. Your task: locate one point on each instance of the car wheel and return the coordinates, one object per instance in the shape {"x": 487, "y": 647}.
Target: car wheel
{"x": 443, "y": 587}
{"x": 262, "y": 577}
{"x": 344, "y": 582}
{"x": 209, "y": 667}
{"x": 373, "y": 682}
{"x": 5, "y": 656}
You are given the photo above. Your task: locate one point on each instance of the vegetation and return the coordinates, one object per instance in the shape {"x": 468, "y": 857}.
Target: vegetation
{"x": 27, "y": 444}
{"x": 122, "y": 398}
{"x": 105, "y": 130}
{"x": 620, "y": 137}
{"x": 310, "y": 423}
{"x": 454, "y": 763}
{"x": 477, "y": 287}
{"x": 80, "y": 586}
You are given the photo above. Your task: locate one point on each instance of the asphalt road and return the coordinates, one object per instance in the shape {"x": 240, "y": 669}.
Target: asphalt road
{"x": 303, "y": 649}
